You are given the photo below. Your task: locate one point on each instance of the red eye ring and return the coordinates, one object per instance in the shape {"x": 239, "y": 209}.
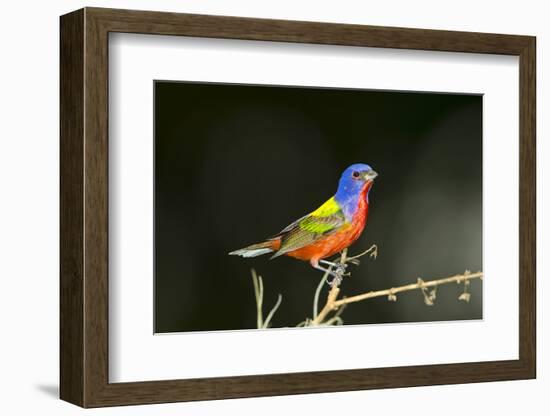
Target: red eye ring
{"x": 355, "y": 175}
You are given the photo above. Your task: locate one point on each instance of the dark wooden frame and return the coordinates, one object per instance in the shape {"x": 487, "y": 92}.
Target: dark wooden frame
{"x": 84, "y": 213}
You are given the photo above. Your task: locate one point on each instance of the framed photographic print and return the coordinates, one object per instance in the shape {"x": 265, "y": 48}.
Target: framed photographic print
{"x": 256, "y": 207}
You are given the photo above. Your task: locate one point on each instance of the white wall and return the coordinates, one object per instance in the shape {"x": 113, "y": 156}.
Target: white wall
{"x": 29, "y": 205}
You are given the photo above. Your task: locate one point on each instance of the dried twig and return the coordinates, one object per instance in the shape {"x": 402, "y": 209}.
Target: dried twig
{"x": 259, "y": 295}
{"x": 318, "y": 291}
{"x": 344, "y": 259}
{"x": 273, "y": 310}
{"x": 333, "y": 304}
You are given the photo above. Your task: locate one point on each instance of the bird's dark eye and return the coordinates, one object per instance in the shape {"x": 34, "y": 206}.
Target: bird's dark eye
{"x": 355, "y": 174}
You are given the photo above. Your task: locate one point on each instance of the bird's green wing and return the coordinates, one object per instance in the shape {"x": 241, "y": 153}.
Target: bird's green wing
{"x": 325, "y": 220}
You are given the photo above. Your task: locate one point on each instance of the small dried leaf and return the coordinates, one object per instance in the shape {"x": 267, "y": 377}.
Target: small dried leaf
{"x": 465, "y": 297}
{"x": 392, "y": 297}
{"x": 428, "y": 301}
{"x": 433, "y": 294}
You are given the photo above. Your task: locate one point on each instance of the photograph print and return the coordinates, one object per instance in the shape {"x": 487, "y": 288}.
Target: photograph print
{"x": 299, "y": 207}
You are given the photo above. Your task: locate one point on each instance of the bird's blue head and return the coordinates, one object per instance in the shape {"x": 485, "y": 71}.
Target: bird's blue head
{"x": 355, "y": 180}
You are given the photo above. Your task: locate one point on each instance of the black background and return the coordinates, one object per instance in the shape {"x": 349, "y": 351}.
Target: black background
{"x": 235, "y": 164}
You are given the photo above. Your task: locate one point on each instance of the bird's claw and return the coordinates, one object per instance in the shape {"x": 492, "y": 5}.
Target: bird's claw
{"x": 338, "y": 275}
{"x": 340, "y": 268}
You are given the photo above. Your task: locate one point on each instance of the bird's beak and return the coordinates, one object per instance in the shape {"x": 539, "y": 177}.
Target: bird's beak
{"x": 370, "y": 175}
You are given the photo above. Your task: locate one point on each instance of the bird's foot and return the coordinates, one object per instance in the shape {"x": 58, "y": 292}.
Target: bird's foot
{"x": 336, "y": 265}
{"x": 336, "y": 270}
{"x": 340, "y": 269}
{"x": 338, "y": 275}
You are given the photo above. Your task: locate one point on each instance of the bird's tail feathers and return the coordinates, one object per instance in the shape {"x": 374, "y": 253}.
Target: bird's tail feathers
{"x": 256, "y": 249}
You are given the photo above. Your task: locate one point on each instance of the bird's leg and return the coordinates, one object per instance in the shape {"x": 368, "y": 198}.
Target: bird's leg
{"x": 338, "y": 267}
{"x": 337, "y": 274}
{"x": 339, "y": 271}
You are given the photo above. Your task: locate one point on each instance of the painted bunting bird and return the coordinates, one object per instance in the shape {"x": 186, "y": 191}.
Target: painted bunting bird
{"x": 329, "y": 229}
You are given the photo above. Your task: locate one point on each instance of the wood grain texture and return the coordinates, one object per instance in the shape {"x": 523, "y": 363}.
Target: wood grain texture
{"x": 527, "y": 208}
{"x": 162, "y": 23}
{"x": 84, "y": 206}
{"x": 96, "y": 216}
{"x": 72, "y": 216}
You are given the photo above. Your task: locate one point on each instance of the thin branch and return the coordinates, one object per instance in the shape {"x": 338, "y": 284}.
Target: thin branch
{"x": 373, "y": 250}
{"x": 344, "y": 259}
{"x": 318, "y": 291}
{"x": 272, "y": 311}
{"x": 373, "y": 294}
{"x": 259, "y": 295}
{"x": 261, "y": 281}
{"x": 329, "y": 306}
{"x": 333, "y": 304}
{"x": 336, "y": 317}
